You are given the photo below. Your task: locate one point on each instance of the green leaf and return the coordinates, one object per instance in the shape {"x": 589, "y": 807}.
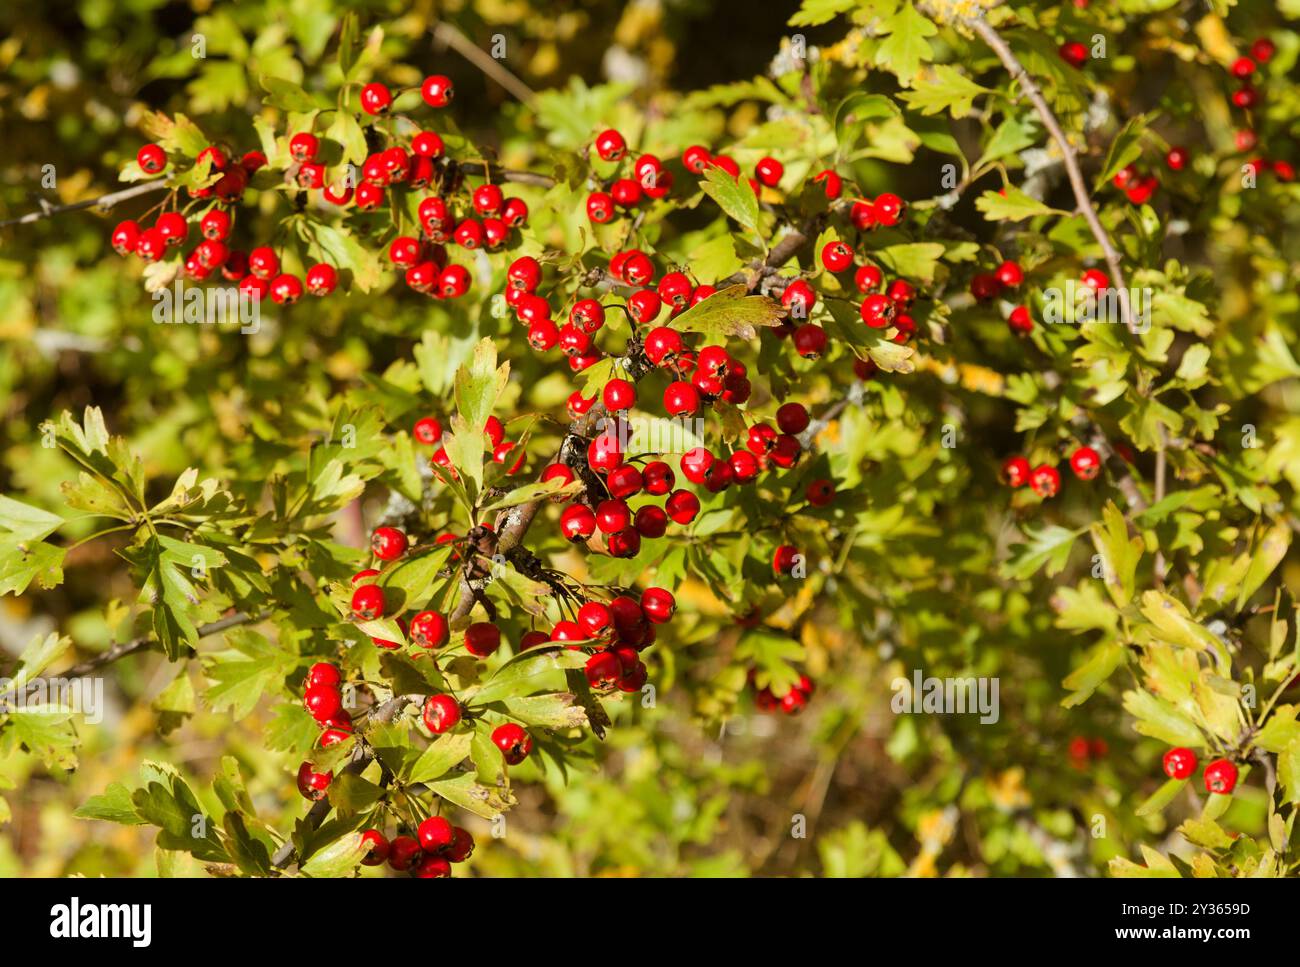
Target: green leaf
{"x": 114, "y": 806}
{"x": 733, "y": 195}
{"x": 555, "y": 710}
{"x": 906, "y": 47}
{"x": 1119, "y": 553}
{"x": 1048, "y": 547}
{"x": 465, "y": 792}
{"x": 811, "y": 13}
{"x": 1012, "y": 204}
{"x": 730, "y": 313}
{"x": 1160, "y": 720}
{"x": 443, "y": 754}
{"x": 1161, "y": 798}
{"x": 22, "y": 562}
{"x": 912, "y": 260}
{"x": 948, "y": 90}
{"x": 339, "y": 858}
{"x": 24, "y": 522}
{"x": 1089, "y": 676}
{"x": 1124, "y": 150}
{"x": 286, "y": 95}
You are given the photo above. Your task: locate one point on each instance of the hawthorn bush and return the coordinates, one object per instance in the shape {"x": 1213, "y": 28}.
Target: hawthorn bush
{"x": 638, "y": 409}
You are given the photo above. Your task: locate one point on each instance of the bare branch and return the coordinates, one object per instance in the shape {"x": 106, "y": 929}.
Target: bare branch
{"x": 445, "y": 33}
{"x": 103, "y": 202}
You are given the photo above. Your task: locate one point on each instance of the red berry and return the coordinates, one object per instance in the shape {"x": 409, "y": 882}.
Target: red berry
{"x": 322, "y": 701}
{"x": 650, "y": 521}
{"x": 657, "y": 478}
{"x": 1176, "y": 158}
{"x": 603, "y": 670}
{"x": 820, "y": 492}
{"x": 1220, "y": 777}
{"x": 323, "y": 673}
{"x": 799, "y": 298}
{"x": 1010, "y": 274}
{"x": 662, "y": 344}
{"x": 462, "y": 845}
{"x": 1015, "y": 471}
{"x": 658, "y": 605}
{"x": 792, "y": 418}
{"x": 1096, "y": 279}
{"x": 173, "y": 228}
{"x": 434, "y": 833}
{"x": 985, "y": 286}
{"x": 831, "y": 183}
{"x": 681, "y": 399}
{"x": 612, "y": 516}
{"x": 610, "y": 145}
{"x": 388, "y": 543}
{"x": 321, "y": 279}
{"x": 402, "y": 852}
{"x": 867, "y": 279}
{"x": 888, "y": 209}
{"x": 675, "y": 289}
{"x": 375, "y": 98}
{"x": 437, "y": 90}
{"x": 313, "y": 784}
{"x": 588, "y": 315}
{"x": 1085, "y": 463}
{"x": 784, "y": 559}
{"x": 1179, "y": 763}
{"x": 1243, "y": 67}
{"x": 644, "y": 306}
{"x": 600, "y": 207}
{"x": 513, "y": 741}
{"x": 125, "y": 237}
{"x": 441, "y": 713}
{"x": 624, "y": 481}
{"x": 1045, "y": 481}
{"x": 368, "y": 602}
{"x": 1074, "y": 53}
{"x": 524, "y": 273}
{"x": 482, "y": 638}
{"x": 810, "y": 340}
{"x": 427, "y": 144}
{"x": 429, "y": 629}
{"x": 769, "y": 171}
{"x": 488, "y": 199}
{"x": 454, "y": 282}
{"x": 469, "y": 234}
{"x": 151, "y": 158}
{"x": 682, "y": 506}
{"x": 836, "y": 256}
{"x": 1263, "y": 50}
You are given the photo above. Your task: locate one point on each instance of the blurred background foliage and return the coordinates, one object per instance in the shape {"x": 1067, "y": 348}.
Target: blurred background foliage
{"x": 679, "y": 792}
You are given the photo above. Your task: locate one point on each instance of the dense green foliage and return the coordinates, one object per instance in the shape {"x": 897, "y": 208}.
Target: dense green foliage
{"x": 161, "y": 477}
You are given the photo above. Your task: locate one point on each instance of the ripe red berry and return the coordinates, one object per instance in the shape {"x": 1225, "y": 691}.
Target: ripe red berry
{"x": 662, "y": 344}
{"x": 1085, "y": 463}
{"x": 769, "y": 171}
{"x": 375, "y": 98}
{"x": 657, "y": 478}
{"x": 151, "y": 158}
{"x": 434, "y": 833}
{"x": 799, "y": 298}
{"x": 427, "y": 144}
{"x": 867, "y": 279}
{"x": 312, "y": 784}
{"x": 322, "y": 701}
{"x": 820, "y": 492}
{"x": 624, "y": 481}
{"x": 650, "y": 521}
{"x": 784, "y": 559}
{"x": 1074, "y": 53}
{"x": 1179, "y": 763}
{"x": 1015, "y": 471}
{"x": 612, "y": 516}
{"x": 1020, "y": 320}
{"x": 125, "y": 236}
{"x": 437, "y": 90}
{"x": 482, "y": 638}
{"x": 322, "y": 279}
{"x": 610, "y": 145}
{"x": 1096, "y": 279}
{"x": 831, "y": 183}
{"x": 1176, "y": 158}
{"x": 1243, "y": 67}
{"x": 1263, "y": 50}
{"x": 454, "y": 282}
{"x": 588, "y": 315}
{"x": 644, "y": 306}
{"x": 1220, "y": 777}
{"x": 682, "y": 506}
{"x": 985, "y": 286}
{"x": 878, "y": 310}
{"x": 792, "y": 418}
{"x": 462, "y": 845}
{"x": 888, "y": 209}
{"x": 263, "y": 263}
{"x": 429, "y": 629}
{"x": 513, "y": 741}
{"x": 488, "y": 199}
{"x": 604, "y": 453}
{"x": 681, "y": 399}
{"x": 543, "y": 335}
{"x": 323, "y": 673}
{"x": 603, "y": 670}
{"x": 1010, "y": 274}
{"x": 525, "y": 274}
{"x": 388, "y": 543}
{"x": 402, "y": 852}
{"x": 675, "y": 289}
{"x": 810, "y": 340}
{"x": 1045, "y": 481}
{"x": 368, "y": 602}
{"x": 836, "y": 256}
{"x": 658, "y": 604}
{"x": 173, "y": 227}
{"x": 430, "y": 867}
{"x": 469, "y": 234}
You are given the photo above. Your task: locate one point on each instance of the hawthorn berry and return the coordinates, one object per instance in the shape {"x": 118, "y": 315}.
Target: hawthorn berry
{"x": 429, "y": 629}
{"x": 657, "y": 478}
{"x": 888, "y": 209}
{"x": 658, "y": 604}
{"x": 1176, "y": 158}
{"x": 662, "y": 344}
{"x": 588, "y": 315}
{"x": 125, "y": 237}
{"x": 837, "y": 256}
{"x": 681, "y": 399}
{"x": 1220, "y": 777}
{"x": 820, "y": 492}
{"x": 624, "y": 481}
{"x": 322, "y": 701}
{"x": 769, "y": 171}
{"x": 402, "y": 852}
{"x": 1242, "y": 67}
{"x": 454, "y": 282}
{"x": 1179, "y": 763}
{"x": 810, "y": 340}
{"x": 792, "y": 418}
{"x": 985, "y": 286}
{"x": 1262, "y": 50}
{"x": 1015, "y": 472}
{"x": 1045, "y": 481}
{"x": 323, "y": 673}
{"x": 388, "y": 543}
{"x": 1020, "y": 320}
{"x": 682, "y": 506}
{"x": 1096, "y": 279}
{"x": 321, "y": 279}
{"x": 644, "y": 306}
{"x": 513, "y": 741}
{"x": 650, "y": 521}
{"x": 600, "y": 207}
{"x": 434, "y": 833}
{"x": 784, "y": 559}
{"x": 482, "y": 638}
{"x": 1085, "y": 462}
{"x": 313, "y": 785}
{"x": 612, "y": 516}
{"x": 799, "y": 298}
{"x": 867, "y": 279}
{"x": 375, "y": 98}
{"x": 603, "y": 670}
{"x": 368, "y": 602}
{"x": 151, "y": 158}
{"x": 1074, "y": 53}
{"x": 610, "y": 145}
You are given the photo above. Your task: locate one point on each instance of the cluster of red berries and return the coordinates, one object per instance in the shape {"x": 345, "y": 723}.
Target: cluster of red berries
{"x": 420, "y": 162}
{"x": 625, "y": 627}
{"x": 323, "y": 698}
{"x": 1247, "y": 97}
{"x": 1220, "y": 775}
{"x": 1083, "y": 750}
{"x": 426, "y": 855}
{"x": 428, "y": 430}
{"x": 791, "y": 703}
{"x": 1045, "y": 480}
{"x": 987, "y": 286}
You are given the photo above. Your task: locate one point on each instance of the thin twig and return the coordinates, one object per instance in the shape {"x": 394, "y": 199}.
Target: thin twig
{"x": 445, "y": 33}
{"x": 103, "y": 202}
{"x": 1018, "y": 73}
